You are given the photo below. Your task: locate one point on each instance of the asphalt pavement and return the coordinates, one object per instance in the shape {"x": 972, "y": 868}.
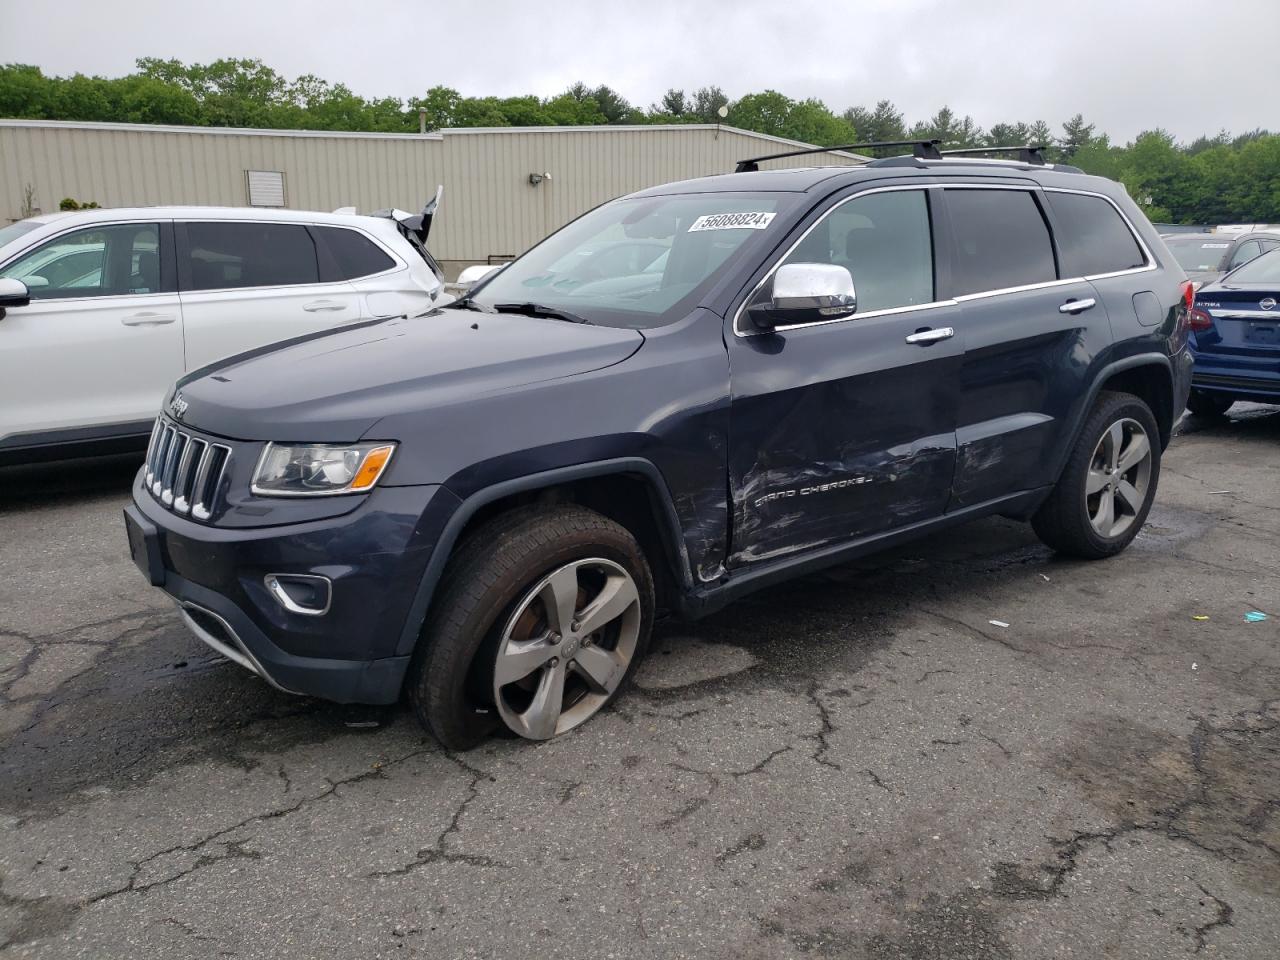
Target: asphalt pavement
{"x": 859, "y": 764}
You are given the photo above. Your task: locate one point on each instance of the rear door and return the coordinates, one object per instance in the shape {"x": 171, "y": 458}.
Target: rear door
{"x": 1029, "y": 336}
{"x": 100, "y": 341}
{"x": 246, "y": 284}
{"x": 845, "y": 429}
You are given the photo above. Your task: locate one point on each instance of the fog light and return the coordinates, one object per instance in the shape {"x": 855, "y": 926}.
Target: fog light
{"x": 303, "y": 593}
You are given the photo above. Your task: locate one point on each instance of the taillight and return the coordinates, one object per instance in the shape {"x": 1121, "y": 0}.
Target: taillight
{"x": 1200, "y": 320}
{"x": 1188, "y": 293}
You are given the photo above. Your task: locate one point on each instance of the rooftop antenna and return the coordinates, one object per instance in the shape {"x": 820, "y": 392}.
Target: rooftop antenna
{"x": 721, "y": 113}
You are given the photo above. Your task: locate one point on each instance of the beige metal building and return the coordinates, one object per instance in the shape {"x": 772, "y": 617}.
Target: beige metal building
{"x": 505, "y": 187}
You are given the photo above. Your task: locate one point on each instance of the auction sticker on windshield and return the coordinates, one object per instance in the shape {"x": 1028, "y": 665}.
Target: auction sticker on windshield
{"x": 732, "y": 221}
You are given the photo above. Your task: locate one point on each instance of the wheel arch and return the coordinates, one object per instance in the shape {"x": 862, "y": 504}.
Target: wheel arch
{"x": 604, "y": 487}
{"x": 1148, "y": 376}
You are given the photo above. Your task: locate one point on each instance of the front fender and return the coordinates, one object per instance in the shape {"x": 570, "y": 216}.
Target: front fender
{"x": 668, "y": 524}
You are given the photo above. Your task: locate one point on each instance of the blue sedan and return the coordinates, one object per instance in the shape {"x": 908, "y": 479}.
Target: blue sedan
{"x": 1236, "y": 338}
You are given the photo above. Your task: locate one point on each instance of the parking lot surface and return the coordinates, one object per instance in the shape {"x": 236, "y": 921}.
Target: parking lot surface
{"x": 857, "y": 764}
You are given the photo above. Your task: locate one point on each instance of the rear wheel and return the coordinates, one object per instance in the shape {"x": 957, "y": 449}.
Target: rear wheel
{"x": 1105, "y": 492}
{"x": 539, "y": 622}
{"x": 1211, "y": 406}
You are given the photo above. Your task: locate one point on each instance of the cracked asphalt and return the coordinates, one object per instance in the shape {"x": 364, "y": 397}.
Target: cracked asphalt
{"x": 858, "y": 764}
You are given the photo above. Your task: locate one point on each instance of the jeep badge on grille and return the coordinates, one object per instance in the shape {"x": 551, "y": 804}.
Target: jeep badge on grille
{"x": 178, "y": 405}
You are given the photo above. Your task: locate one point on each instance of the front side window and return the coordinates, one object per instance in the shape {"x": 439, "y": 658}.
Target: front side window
{"x": 885, "y": 242}
{"x": 1001, "y": 240}
{"x": 1092, "y": 236}
{"x": 119, "y": 260}
{"x": 231, "y": 254}
{"x": 639, "y": 262}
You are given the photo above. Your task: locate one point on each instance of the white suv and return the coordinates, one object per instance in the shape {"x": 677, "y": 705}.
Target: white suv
{"x": 110, "y": 307}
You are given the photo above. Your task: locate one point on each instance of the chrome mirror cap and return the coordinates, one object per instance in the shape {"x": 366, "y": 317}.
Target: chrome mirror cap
{"x": 804, "y": 293}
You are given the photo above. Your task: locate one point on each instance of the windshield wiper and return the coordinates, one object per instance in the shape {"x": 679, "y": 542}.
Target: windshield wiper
{"x": 538, "y": 310}
{"x": 466, "y": 303}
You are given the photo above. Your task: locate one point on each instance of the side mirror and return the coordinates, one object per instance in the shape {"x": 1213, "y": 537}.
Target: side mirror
{"x": 470, "y": 276}
{"x": 13, "y": 293}
{"x": 804, "y": 293}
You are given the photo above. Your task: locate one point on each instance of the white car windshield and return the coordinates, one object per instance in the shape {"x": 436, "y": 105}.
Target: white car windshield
{"x": 638, "y": 262}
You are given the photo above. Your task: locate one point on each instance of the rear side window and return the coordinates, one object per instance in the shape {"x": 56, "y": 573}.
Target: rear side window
{"x": 354, "y": 254}
{"x": 1001, "y": 240}
{"x": 1092, "y": 236}
{"x": 227, "y": 255}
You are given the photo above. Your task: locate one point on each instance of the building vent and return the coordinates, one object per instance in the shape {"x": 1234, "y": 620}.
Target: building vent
{"x": 266, "y": 188}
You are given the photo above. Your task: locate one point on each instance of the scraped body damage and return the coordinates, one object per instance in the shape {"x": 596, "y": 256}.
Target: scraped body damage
{"x": 839, "y": 431}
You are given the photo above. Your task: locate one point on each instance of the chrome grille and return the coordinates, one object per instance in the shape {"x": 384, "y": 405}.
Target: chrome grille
{"x": 184, "y": 471}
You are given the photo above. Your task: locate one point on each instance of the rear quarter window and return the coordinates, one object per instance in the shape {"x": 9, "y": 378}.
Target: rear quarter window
{"x": 1001, "y": 240}
{"x": 1092, "y": 236}
{"x": 354, "y": 255}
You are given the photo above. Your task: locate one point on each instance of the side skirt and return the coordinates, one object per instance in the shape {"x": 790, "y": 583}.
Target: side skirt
{"x": 747, "y": 580}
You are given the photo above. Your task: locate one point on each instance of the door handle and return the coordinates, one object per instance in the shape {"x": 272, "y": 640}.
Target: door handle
{"x": 324, "y": 306}
{"x": 926, "y": 337}
{"x": 1077, "y": 306}
{"x": 147, "y": 319}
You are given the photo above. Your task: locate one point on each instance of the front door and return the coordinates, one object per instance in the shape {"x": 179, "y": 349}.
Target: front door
{"x": 101, "y": 340}
{"x": 845, "y": 429}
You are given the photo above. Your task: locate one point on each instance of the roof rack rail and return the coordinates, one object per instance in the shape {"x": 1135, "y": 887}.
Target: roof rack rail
{"x": 1027, "y": 153}
{"x": 925, "y": 149}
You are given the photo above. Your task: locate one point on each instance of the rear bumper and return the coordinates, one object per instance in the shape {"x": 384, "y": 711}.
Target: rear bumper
{"x": 1246, "y": 377}
{"x": 373, "y": 559}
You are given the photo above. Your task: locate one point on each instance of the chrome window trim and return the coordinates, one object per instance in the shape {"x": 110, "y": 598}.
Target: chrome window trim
{"x": 1150, "y": 264}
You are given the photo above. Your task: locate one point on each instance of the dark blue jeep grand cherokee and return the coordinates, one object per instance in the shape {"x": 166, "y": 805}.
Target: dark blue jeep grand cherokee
{"x": 682, "y": 396}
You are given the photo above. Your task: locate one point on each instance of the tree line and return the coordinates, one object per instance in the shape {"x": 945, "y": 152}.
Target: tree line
{"x": 1214, "y": 179}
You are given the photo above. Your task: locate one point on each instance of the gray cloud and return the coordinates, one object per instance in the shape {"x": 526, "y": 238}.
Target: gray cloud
{"x": 1127, "y": 65}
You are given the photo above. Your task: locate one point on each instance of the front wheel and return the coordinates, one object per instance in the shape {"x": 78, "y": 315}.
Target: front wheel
{"x": 1105, "y": 492}
{"x": 540, "y": 620}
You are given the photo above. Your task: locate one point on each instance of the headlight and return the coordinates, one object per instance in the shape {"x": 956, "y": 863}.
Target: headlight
{"x": 319, "y": 469}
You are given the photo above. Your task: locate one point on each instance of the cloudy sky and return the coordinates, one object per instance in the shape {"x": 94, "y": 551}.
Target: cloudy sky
{"x": 1127, "y": 65}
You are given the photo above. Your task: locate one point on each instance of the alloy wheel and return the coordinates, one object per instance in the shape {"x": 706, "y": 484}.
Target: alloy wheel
{"x": 1119, "y": 475}
{"x": 566, "y": 648}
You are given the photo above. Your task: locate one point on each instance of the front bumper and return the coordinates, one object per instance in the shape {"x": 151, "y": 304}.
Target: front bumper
{"x": 373, "y": 557}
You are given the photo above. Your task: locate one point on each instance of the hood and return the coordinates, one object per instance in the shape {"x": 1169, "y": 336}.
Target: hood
{"x": 334, "y": 386}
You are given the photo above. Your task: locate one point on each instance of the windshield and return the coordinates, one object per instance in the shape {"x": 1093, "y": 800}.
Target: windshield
{"x": 1264, "y": 269}
{"x": 1198, "y": 254}
{"x": 13, "y": 231}
{"x": 638, "y": 262}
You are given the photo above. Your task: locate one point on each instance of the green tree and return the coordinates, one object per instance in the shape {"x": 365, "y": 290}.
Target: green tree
{"x": 952, "y": 130}
{"x": 807, "y": 120}
{"x": 1076, "y": 134}
{"x": 707, "y": 102}
{"x": 673, "y": 103}
{"x": 883, "y": 122}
